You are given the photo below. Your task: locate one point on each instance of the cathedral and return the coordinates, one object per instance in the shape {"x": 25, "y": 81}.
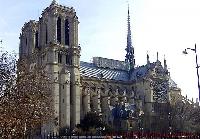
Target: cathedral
{"x": 80, "y": 87}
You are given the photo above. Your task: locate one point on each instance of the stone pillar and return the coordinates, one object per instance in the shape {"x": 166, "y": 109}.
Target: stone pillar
{"x": 109, "y": 102}
{"x": 131, "y": 98}
{"x": 75, "y": 71}
{"x": 81, "y": 103}
{"x": 94, "y": 99}
{"x": 64, "y": 100}
{"x": 75, "y": 95}
{"x": 73, "y": 23}
{"x": 76, "y": 30}
{"x": 99, "y": 100}
{"x": 86, "y": 100}
{"x": 104, "y": 101}
{"x": 55, "y": 124}
{"x": 52, "y": 29}
{"x": 32, "y": 42}
{"x": 41, "y": 33}
{"x": 104, "y": 104}
{"x": 121, "y": 96}
{"x": 55, "y": 56}
{"x": 63, "y": 31}
{"x": 113, "y": 100}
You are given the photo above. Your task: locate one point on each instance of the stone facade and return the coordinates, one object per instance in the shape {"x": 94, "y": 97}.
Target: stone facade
{"x": 79, "y": 87}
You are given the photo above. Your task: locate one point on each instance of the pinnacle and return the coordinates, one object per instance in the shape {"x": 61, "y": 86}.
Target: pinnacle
{"x": 54, "y": 2}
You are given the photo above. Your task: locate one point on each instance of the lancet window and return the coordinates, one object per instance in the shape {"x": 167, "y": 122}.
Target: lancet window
{"x": 59, "y": 30}
{"x": 66, "y": 32}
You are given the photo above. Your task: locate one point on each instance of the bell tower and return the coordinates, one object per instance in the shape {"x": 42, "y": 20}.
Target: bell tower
{"x": 54, "y": 42}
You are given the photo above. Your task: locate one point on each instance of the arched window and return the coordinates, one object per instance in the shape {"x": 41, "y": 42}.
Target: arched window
{"x": 68, "y": 60}
{"x": 26, "y": 41}
{"x": 36, "y": 39}
{"x": 59, "y": 30}
{"x": 59, "y": 57}
{"x": 66, "y": 32}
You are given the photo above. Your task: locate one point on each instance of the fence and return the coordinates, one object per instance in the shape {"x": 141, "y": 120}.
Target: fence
{"x": 126, "y": 135}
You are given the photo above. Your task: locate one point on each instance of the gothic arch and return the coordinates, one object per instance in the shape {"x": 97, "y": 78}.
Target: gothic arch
{"x": 111, "y": 91}
{"x": 36, "y": 40}
{"x": 59, "y": 30}
{"x": 92, "y": 89}
{"x": 67, "y": 32}
{"x": 85, "y": 87}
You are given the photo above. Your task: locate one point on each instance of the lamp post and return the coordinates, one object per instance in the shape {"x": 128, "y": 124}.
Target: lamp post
{"x": 197, "y": 66}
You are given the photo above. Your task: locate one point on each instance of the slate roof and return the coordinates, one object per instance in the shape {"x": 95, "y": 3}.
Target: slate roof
{"x": 90, "y": 70}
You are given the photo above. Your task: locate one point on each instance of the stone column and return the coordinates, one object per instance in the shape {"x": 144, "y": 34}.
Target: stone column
{"x": 63, "y": 30}
{"x": 75, "y": 95}
{"x": 52, "y": 29}
{"x": 121, "y": 96}
{"x": 131, "y": 97}
{"x": 91, "y": 98}
{"x": 86, "y": 100}
{"x": 73, "y": 24}
{"x": 32, "y": 42}
{"x": 41, "y": 32}
{"x": 104, "y": 104}
{"x": 94, "y": 100}
{"x": 113, "y": 100}
{"x": 109, "y": 102}
{"x": 65, "y": 100}
{"x": 99, "y": 99}
{"x": 81, "y": 103}
{"x": 104, "y": 101}
{"x": 55, "y": 124}
{"x": 76, "y": 30}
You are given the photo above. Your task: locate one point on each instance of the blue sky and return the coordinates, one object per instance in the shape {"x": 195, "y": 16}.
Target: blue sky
{"x": 166, "y": 26}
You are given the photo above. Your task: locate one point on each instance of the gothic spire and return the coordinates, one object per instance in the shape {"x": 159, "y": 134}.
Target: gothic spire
{"x": 129, "y": 58}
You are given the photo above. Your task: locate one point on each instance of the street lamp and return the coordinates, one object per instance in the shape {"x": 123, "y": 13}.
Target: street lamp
{"x": 197, "y": 66}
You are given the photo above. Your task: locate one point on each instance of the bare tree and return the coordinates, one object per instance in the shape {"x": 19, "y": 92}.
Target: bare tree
{"x": 184, "y": 114}
{"x": 25, "y": 97}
